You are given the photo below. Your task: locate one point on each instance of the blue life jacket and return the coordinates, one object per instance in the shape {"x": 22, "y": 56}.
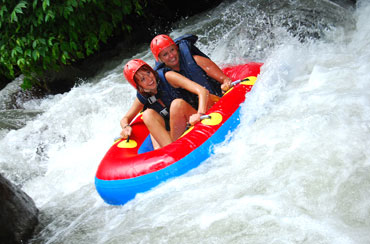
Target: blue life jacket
{"x": 166, "y": 93}
{"x": 190, "y": 69}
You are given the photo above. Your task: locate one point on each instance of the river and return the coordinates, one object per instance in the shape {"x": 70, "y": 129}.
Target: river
{"x": 296, "y": 170}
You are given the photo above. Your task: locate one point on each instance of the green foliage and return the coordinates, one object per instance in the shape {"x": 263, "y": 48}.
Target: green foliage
{"x": 37, "y": 35}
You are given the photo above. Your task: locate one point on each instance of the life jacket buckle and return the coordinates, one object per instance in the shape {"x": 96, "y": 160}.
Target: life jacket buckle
{"x": 152, "y": 99}
{"x": 164, "y": 112}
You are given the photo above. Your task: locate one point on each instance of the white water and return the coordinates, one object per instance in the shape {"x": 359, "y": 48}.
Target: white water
{"x": 297, "y": 170}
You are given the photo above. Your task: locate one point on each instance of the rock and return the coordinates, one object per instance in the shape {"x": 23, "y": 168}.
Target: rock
{"x": 18, "y": 214}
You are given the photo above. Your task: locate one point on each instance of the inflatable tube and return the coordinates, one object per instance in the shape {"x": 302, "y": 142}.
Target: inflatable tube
{"x": 128, "y": 169}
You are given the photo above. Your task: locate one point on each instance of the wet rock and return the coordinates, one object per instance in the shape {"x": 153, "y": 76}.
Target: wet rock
{"x": 18, "y": 214}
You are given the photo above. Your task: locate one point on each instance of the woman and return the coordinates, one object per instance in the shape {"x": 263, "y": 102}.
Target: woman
{"x": 165, "y": 112}
{"x": 185, "y": 58}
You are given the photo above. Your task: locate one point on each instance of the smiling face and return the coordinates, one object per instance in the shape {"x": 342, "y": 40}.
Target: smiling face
{"x": 170, "y": 57}
{"x": 146, "y": 79}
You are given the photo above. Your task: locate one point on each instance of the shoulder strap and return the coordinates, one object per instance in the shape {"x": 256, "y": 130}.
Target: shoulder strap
{"x": 190, "y": 41}
{"x": 187, "y": 37}
{"x": 152, "y": 102}
{"x": 141, "y": 98}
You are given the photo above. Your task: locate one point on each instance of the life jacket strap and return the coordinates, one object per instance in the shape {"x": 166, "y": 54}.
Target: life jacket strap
{"x": 164, "y": 112}
{"x": 152, "y": 99}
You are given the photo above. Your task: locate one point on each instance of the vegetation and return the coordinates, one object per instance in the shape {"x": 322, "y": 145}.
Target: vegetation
{"x": 38, "y": 35}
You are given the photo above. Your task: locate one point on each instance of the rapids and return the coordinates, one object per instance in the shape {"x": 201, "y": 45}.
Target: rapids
{"x": 297, "y": 169}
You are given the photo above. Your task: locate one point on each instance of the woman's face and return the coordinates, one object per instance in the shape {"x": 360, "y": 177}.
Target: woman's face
{"x": 146, "y": 79}
{"x": 170, "y": 56}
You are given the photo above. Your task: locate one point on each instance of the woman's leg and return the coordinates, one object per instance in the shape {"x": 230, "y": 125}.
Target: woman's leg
{"x": 180, "y": 112}
{"x": 157, "y": 128}
{"x": 154, "y": 143}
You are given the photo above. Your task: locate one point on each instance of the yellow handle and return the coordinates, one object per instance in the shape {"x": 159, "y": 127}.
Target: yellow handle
{"x": 127, "y": 144}
{"x": 213, "y": 119}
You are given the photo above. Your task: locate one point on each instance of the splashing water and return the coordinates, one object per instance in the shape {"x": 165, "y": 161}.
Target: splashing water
{"x": 297, "y": 169}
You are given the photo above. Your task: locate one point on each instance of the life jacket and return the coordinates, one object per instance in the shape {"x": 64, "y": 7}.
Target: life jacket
{"x": 166, "y": 93}
{"x": 190, "y": 69}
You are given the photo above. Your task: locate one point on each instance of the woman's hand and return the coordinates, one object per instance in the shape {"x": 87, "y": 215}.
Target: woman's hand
{"x": 136, "y": 107}
{"x": 194, "y": 118}
{"x": 226, "y": 85}
{"x": 126, "y": 131}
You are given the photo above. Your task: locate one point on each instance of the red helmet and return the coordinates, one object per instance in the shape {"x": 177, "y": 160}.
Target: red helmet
{"x": 159, "y": 43}
{"x": 131, "y": 68}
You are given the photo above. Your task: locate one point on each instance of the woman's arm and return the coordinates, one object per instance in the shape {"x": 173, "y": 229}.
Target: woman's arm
{"x": 136, "y": 107}
{"x": 179, "y": 81}
{"x": 213, "y": 71}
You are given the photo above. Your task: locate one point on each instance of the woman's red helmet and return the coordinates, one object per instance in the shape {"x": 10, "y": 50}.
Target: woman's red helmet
{"x": 159, "y": 43}
{"x": 131, "y": 68}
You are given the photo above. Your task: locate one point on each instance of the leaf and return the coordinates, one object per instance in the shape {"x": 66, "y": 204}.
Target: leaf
{"x": 13, "y": 17}
{"x": 19, "y": 42}
{"x": 28, "y": 53}
{"x": 45, "y": 4}
{"x": 67, "y": 11}
{"x": 35, "y": 55}
{"x": 49, "y": 15}
{"x": 42, "y": 41}
{"x": 21, "y": 62}
{"x": 55, "y": 51}
{"x": 74, "y": 3}
{"x": 50, "y": 41}
{"x": 27, "y": 84}
{"x": 73, "y": 45}
{"x": 64, "y": 59}
{"x": 17, "y": 10}
{"x": 34, "y": 4}
{"x": 2, "y": 11}
{"x": 34, "y": 43}
{"x": 64, "y": 46}
{"x": 13, "y": 53}
{"x": 20, "y": 5}
{"x": 80, "y": 55}
{"x": 19, "y": 49}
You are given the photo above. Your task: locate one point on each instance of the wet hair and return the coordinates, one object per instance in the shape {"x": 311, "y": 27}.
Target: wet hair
{"x": 139, "y": 89}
